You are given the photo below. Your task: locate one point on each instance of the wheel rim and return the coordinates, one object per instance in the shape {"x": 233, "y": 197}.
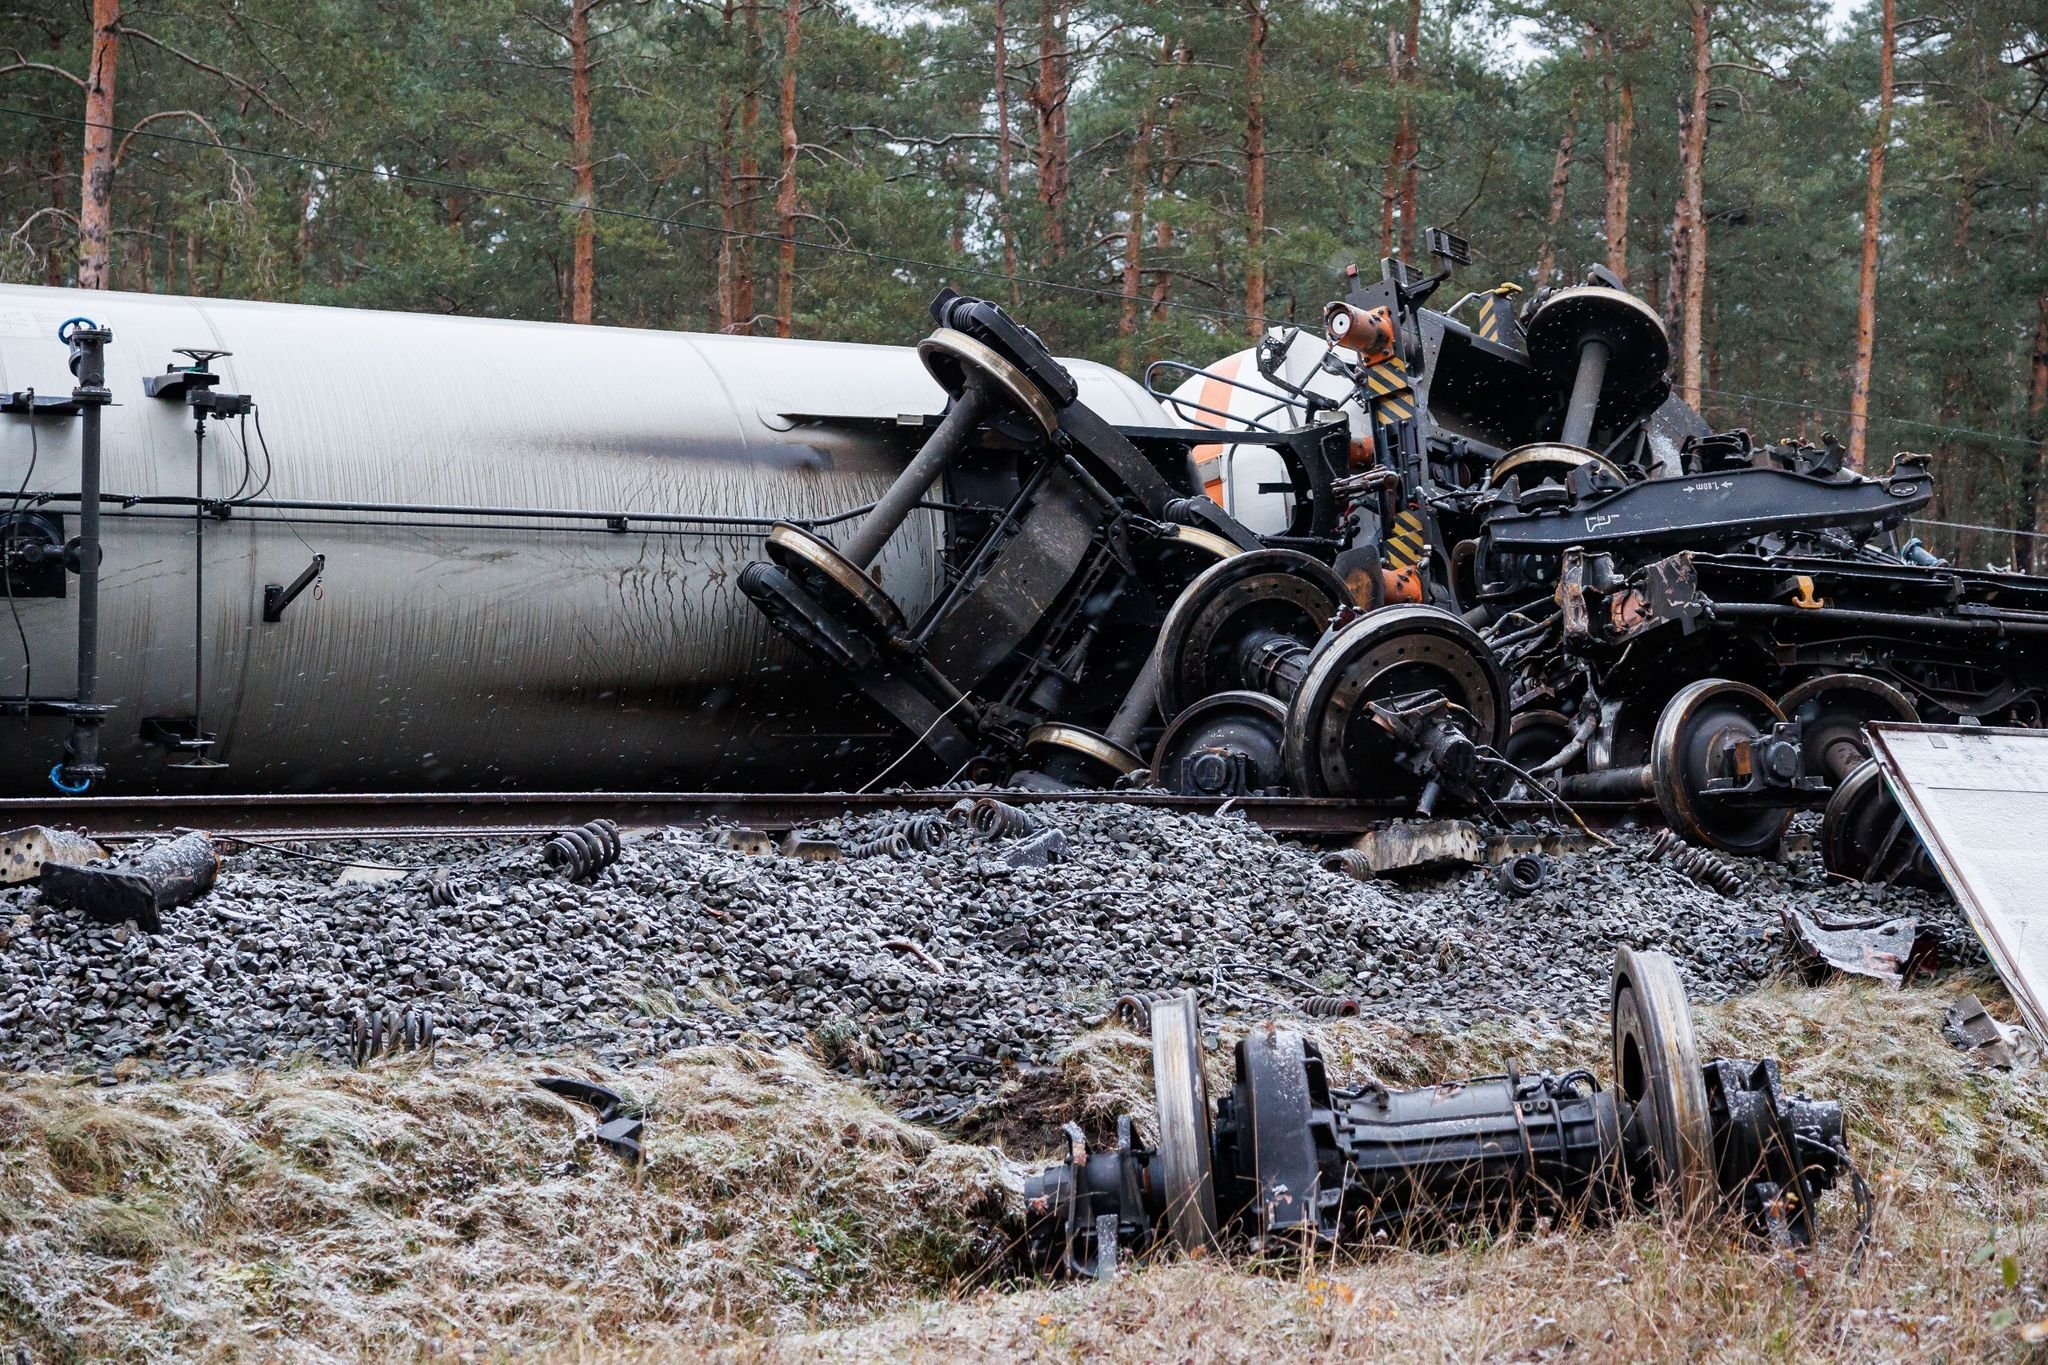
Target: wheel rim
{"x": 1536, "y": 737}
{"x": 1865, "y": 837}
{"x": 1252, "y": 723}
{"x": 1684, "y": 755}
{"x": 1092, "y": 756}
{"x": 833, "y": 578}
{"x": 1335, "y": 747}
{"x": 1833, "y": 709}
{"x": 1280, "y": 590}
{"x": 1657, "y": 1071}
{"x": 1550, "y": 462}
{"x": 949, "y": 355}
{"x": 1186, "y": 1176}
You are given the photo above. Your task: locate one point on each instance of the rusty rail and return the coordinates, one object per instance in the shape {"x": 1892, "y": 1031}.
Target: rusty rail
{"x": 453, "y": 814}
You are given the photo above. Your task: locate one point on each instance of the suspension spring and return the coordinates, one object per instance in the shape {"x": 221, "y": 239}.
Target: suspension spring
{"x": 927, "y": 833}
{"x": 1522, "y": 874}
{"x": 896, "y": 845}
{"x": 444, "y": 891}
{"x": 382, "y": 1032}
{"x": 1330, "y": 1007}
{"x": 1697, "y": 863}
{"x": 993, "y": 819}
{"x": 1134, "y": 1012}
{"x": 584, "y": 851}
{"x": 1351, "y": 862}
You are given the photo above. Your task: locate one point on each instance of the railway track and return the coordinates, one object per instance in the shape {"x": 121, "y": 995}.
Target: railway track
{"x": 310, "y": 816}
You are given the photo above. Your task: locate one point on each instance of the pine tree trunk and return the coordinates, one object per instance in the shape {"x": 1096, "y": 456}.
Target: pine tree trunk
{"x": 1866, "y": 282}
{"x": 1560, "y": 181}
{"x": 1621, "y": 126}
{"x": 96, "y": 189}
{"x": 1049, "y": 104}
{"x": 1134, "y": 229}
{"x": 583, "y": 275}
{"x": 728, "y": 221}
{"x": 1003, "y": 220}
{"x": 786, "y": 197}
{"x": 2037, "y": 419}
{"x": 1390, "y": 186}
{"x": 1255, "y": 168}
{"x": 1689, "y": 246}
{"x": 1411, "y": 151}
{"x": 743, "y": 305}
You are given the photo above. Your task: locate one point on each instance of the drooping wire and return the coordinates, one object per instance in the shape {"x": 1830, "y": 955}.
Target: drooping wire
{"x": 28, "y": 668}
{"x": 269, "y": 468}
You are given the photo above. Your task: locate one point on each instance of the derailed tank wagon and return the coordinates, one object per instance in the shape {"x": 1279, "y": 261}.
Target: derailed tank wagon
{"x": 1411, "y": 559}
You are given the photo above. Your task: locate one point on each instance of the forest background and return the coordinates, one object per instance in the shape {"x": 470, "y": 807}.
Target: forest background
{"x": 1835, "y": 208}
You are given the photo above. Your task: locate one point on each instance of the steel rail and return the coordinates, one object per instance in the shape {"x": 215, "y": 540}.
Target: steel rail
{"x": 455, "y": 814}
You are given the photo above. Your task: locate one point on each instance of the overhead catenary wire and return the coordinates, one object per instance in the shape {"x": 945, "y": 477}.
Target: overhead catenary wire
{"x": 1935, "y": 427}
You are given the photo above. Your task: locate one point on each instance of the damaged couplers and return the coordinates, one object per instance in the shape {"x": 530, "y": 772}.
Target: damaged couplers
{"x": 1291, "y": 1158}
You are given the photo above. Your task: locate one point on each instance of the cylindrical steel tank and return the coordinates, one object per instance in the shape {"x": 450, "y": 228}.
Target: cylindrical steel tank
{"x": 455, "y": 649}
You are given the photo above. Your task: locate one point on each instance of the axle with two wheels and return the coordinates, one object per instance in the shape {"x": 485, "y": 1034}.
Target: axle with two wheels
{"x": 1290, "y": 1157}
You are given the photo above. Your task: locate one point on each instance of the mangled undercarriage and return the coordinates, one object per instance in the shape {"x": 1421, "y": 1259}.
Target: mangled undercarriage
{"x": 1495, "y": 562}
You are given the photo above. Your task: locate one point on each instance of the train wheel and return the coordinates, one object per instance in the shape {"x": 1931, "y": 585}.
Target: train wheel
{"x": 1657, "y": 1072}
{"x": 1336, "y": 747}
{"x": 1832, "y": 711}
{"x": 1224, "y": 741}
{"x": 949, "y": 355}
{"x": 1186, "y": 1163}
{"x": 818, "y": 566}
{"x": 1689, "y": 750}
{"x": 1279, "y": 592}
{"x": 1073, "y": 756}
{"x": 1865, "y": 837}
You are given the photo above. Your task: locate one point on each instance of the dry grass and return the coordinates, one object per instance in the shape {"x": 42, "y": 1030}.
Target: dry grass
{"x": 408, "y": 1212}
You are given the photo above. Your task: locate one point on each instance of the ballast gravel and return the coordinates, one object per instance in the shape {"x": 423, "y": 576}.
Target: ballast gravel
{"x": 935, "y": 977}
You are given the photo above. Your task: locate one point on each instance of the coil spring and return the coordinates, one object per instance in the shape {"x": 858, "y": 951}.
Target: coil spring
{"x": 1697, "y": 863}
{"x": 382, "y": 1032}
{"x": 1522, "y": 874}
{"x": 444, "y": 891}
{"x": 584, "y": 851}
{"x": 926, "y": 833}
{"x": 896, "y": 845}
{"x": 1330, "y": 1007}
{"x": 993, "y": 819}
{"x": 1134, "y": 1012}
{"x": 1351, "y": 862}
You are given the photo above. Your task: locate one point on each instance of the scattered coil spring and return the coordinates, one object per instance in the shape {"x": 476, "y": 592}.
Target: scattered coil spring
{"x": 896, "y": 845}
{"x": 1330, "y": 1007}
{"x": 1522, "y": 874}
{"x": 926, "y": 833}
{"x": 382, "y": 1032}
{"x": 1134, "y": 1012}
{"x": 1351, "y": 862}
{"x": 1697, "y": 863}
{"x": 584, "y": 851}
{"x": 993, "y": 819}
{"x": 444, "y": 891}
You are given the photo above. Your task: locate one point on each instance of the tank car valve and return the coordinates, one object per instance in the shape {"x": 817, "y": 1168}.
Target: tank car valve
{"x": 583, "y": 852}
{"x": 1289, "y": 1158}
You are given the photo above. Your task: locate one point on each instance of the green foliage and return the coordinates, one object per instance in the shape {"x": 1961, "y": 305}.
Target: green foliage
{"x": 460, "y": 111}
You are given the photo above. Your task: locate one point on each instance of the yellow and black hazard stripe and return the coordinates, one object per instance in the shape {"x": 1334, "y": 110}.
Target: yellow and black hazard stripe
{"x": 1393, "y": 397}
{"x": 1406, "y": 546}
{"x": 1497, "y": 314}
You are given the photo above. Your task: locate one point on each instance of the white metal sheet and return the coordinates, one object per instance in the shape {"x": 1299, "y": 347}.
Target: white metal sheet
{"x": 1978, "y": 797}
